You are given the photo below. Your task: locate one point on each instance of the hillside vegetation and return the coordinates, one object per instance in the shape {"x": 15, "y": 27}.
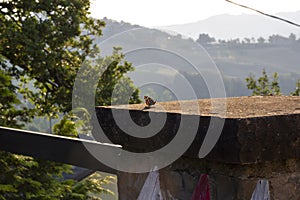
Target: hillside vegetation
{"x": 235, "y": 58}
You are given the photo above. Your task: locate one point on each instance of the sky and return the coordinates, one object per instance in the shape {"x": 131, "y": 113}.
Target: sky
{"x": 169, "y": 12}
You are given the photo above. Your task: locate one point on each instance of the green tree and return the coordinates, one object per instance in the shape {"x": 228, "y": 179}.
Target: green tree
{"x": 43, "y": 43}
{"x": 46, "y": 42}
{"x": 23, "y": 177}
{"x": 262, "y": 86}
{"x": 297, "y": 90}
{"x": 205, "y": 39}
{"x": 114, "y": 87}
{"x": 261, "y": 40}
{"x": 11, "y": 110}
{"x": 292, "y": 37}
{"x": 275, "y": 88}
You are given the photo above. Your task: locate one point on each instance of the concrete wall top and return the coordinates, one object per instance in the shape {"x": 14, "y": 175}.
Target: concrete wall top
{"x": 256, "y": 129}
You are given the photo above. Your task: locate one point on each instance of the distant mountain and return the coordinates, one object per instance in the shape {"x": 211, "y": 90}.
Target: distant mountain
{"x": 238, "y": 26}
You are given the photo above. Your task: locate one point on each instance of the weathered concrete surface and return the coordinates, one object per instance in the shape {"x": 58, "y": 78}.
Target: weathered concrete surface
{"x": 256, "y": 129}
{"x": 237, "y": 107}
{"x": 260, "y": 140}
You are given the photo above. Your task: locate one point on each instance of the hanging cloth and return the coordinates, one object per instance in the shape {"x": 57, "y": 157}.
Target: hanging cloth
{"x": 151, "y": 189}
{"x": 261, "y": 191}
{"x": 202, "y": 189}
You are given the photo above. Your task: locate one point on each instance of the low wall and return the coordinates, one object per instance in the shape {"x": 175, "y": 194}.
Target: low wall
{"x": 260, "y": 140}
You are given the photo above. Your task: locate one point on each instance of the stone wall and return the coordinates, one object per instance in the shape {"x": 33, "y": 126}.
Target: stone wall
{"x": 226, "y": 181}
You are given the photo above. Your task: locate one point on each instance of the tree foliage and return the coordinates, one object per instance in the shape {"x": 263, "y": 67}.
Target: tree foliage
{"x": 43, "y": 43}
{"x": 272, "y": 40}
{"x": 297, "y": 89}
{"x": 114, "y": 87}
{"x": 262, "y": 86}
{"x": 205, "y": 39}
{"x": 10, "y": 109}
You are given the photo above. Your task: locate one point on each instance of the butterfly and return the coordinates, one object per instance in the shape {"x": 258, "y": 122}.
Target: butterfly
{"x": 149, "y": 101}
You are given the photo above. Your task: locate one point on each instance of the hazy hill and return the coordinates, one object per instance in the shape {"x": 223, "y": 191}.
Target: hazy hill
{"x": 238, "y": 26}
{"x": 234, "y": 61}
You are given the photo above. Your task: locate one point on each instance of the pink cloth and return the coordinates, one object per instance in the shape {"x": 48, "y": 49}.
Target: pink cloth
{"x": 202, "y": 189}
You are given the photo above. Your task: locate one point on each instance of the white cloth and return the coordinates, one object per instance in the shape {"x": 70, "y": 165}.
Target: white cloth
{"x": 151, "y": 189}
{"x": 261, "y": 191}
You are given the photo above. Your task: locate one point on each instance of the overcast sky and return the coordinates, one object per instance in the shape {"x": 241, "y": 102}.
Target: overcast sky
{"x": 168, "y": 12}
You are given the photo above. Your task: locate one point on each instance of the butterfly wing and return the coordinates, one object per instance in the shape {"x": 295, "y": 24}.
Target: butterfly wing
{"x": 149, "y": 101}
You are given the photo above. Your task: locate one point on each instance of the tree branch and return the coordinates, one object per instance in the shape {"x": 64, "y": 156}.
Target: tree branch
{"x": 268, "y": 15}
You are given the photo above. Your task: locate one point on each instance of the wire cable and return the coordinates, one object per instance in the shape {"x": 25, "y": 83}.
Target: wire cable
{"x": 268, "y": 15}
